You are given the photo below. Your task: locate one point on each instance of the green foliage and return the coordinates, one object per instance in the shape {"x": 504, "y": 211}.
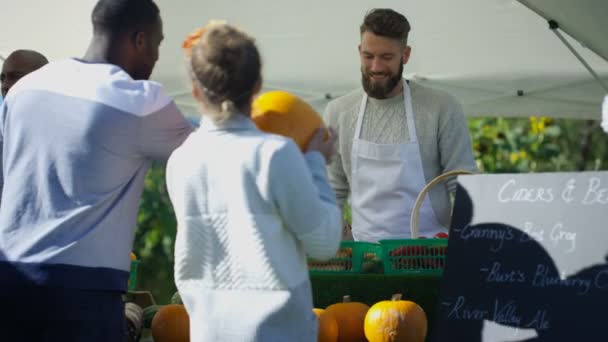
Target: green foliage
{"x": 500, "y": 145}
{"x": 155, "y": 237}
{"x": 538, "y": 145}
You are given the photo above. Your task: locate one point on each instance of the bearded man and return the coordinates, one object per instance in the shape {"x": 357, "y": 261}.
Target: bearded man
{"x": 394, "y": 137}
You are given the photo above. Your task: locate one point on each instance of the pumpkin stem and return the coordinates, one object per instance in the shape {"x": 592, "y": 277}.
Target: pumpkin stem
{"x": 346, "y": 299}
{"x": 396, "y": 296}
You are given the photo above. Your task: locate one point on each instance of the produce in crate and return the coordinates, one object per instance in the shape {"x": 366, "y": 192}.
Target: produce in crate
{"x": 282, "y": 113}
{"x": 371, "y": 263}
{"x": 352, "y": 257}
{"x": 328, "y": 327}
{"x": 411, "y": 255}
{"x": 396, "y": 320}
{"x": 341, "y": 262}
{"x": 350, "y": 317}
{"x": 346, "y": 252}
{"x": 331, "y": 265}
{"x": 171, "y": 324}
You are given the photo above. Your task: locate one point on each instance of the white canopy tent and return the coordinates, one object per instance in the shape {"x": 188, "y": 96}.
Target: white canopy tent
{"x": 498, "y": 57}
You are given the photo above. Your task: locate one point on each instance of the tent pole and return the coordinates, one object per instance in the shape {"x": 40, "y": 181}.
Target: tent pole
{"x": 553, "y": 25}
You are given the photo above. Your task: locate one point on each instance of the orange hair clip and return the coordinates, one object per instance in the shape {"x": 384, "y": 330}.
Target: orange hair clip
{"x": 192, "y": 39}
{"x": 195, "y": 36}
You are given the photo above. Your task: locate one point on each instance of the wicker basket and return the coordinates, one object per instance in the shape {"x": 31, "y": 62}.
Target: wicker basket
{"x": 417, "y": 256}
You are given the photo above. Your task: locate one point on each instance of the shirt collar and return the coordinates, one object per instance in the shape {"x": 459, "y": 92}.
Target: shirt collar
{"x": 237, "y": 122}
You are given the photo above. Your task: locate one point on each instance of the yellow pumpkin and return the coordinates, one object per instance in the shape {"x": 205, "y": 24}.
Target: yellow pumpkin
{"x": 285, "y": 114}
{"x": 328, "y": 327}
{"x": 171, "y": 324}
{"x": 350, "y": 317}
{"x": 395, "y": 320}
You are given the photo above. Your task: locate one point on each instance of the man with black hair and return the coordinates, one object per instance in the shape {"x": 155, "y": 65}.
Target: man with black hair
{"x": 78, "y": 138}
{"x": 395, "y": 136}
{"x": 18, "y": 64}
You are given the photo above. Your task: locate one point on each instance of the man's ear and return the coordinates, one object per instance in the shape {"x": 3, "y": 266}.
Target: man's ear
{"x": 140, "y": 40}
{"x": 406, "y": 54}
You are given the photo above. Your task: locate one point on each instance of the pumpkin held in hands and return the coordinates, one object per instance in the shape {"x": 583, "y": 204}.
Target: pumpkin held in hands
{"x": 283, "y": 113}
{"x": 350, "y": 317}
{"x": 171, "y": 324}
{"x": 395, "y": 320}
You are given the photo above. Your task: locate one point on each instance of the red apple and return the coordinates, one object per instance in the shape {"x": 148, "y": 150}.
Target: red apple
{"x": 441, "y": 235}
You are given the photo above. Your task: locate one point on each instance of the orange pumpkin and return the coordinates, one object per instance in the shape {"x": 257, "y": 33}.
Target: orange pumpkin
{"x": 282, "y": 113}
{"x": 395, "y": 320}
{"x": 171, "y": 324}
{"x": 350, "y": 317}
{"x": 328, "y": 327}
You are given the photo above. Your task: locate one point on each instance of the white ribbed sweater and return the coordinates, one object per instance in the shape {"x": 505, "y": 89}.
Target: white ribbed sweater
{"x": 249, "y": 207}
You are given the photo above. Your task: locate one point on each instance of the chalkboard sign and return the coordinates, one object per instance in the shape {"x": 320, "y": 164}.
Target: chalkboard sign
{"x": 527, "y": 259}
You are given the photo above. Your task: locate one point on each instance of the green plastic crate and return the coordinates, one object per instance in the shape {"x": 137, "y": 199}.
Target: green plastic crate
{"x": 132, "y": 285}
{"x": 352, "y": 257}
{"x": 414, "y": 256}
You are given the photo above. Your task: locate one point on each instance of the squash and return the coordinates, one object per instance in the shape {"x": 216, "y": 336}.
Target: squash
{"x": 282, "y": 113}
{"x": 395, "y": 321}
{"x": 350, "y": 317}
{"x": 328, "y": 327}
{"x": 171, "y": 324}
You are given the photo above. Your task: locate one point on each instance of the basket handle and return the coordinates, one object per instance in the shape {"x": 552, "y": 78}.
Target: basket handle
{"x": 415, "y": 230}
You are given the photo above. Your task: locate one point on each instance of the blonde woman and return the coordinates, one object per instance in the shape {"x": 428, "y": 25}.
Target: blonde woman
{"x": 249, "y": 205}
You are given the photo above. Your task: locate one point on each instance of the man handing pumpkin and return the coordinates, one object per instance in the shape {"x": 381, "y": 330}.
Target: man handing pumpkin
{"x": 394, "y": 137}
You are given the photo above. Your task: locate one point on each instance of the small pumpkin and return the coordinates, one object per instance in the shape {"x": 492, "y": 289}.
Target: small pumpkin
{"x": 171, "y": 324}
{"x": 328, "y": 327}
{"x": 350, "y": 317}
{"x": 285, "y": 114}
{"x": 395, "y": 320}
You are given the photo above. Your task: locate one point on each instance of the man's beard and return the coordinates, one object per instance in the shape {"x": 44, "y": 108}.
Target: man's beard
{"x": 380, "y": 90}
